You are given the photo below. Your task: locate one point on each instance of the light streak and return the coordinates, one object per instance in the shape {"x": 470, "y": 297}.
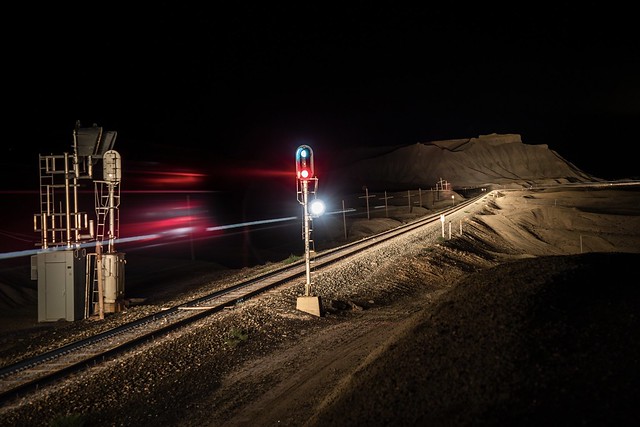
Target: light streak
{"x": 244, "y": 224}
{"x": 154, "y": 236}
{"x": 29, "y": 252}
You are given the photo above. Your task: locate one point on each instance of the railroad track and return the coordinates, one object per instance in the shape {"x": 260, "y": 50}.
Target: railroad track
{"x": 36, "y": 372}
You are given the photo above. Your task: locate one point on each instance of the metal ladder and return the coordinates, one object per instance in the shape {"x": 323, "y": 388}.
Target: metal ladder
{"x": 103, "y": 208}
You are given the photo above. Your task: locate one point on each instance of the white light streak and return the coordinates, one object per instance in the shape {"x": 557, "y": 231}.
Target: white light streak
{"x": 244, "y": 224}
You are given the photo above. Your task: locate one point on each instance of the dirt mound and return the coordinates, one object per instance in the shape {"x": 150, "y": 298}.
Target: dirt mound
{"x": 494, "y": 158}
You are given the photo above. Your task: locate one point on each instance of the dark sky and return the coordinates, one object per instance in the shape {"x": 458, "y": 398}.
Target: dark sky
{"x": 222, "y": 86}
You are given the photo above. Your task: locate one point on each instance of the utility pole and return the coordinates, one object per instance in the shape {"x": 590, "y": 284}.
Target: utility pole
{"x": 344, "y": 220}
{"x": 366, "y": 197}
{"x": 386, "y": 208}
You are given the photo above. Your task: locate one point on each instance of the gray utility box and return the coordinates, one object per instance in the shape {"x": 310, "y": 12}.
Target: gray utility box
{"x": 61, "y": 276}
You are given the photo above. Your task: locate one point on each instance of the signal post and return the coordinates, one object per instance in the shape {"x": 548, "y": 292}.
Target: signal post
{"x": 305, "y": 177}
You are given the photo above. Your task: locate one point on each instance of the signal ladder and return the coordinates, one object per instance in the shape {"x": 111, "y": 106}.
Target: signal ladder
{"x": 107, "y": 201}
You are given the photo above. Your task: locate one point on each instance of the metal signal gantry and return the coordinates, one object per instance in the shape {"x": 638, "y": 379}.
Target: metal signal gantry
{"x": 72, "y": 283}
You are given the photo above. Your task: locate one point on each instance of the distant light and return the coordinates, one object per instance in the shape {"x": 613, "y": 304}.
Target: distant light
{"x": 317, "y": 207}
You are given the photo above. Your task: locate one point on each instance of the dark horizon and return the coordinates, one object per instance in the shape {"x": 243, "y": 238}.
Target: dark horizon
{"x": 232, "y": 93}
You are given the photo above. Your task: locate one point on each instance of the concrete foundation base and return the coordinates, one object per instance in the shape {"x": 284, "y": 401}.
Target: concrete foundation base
{"x": 309, "y": 305}
{"x": 114, "y": 307}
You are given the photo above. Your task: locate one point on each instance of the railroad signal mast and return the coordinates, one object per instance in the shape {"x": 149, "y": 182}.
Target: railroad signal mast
{"x": 306, "y": 183}
{"x": 107, "y": 289}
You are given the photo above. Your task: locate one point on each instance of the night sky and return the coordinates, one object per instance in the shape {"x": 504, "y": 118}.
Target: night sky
{"x": 226, "y": 87}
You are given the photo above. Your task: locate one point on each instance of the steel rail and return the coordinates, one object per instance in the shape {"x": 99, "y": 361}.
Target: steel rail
{"x": 36, "y": 372}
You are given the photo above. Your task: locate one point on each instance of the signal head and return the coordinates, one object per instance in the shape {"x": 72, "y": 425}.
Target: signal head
{"x": 304, "y": 163}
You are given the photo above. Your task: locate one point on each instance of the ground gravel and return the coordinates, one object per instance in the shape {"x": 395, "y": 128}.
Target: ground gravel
{"x": 422, "y": 331}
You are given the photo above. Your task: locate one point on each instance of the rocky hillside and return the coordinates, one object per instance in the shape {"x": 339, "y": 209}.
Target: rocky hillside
{"x": 495, "y": 158}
